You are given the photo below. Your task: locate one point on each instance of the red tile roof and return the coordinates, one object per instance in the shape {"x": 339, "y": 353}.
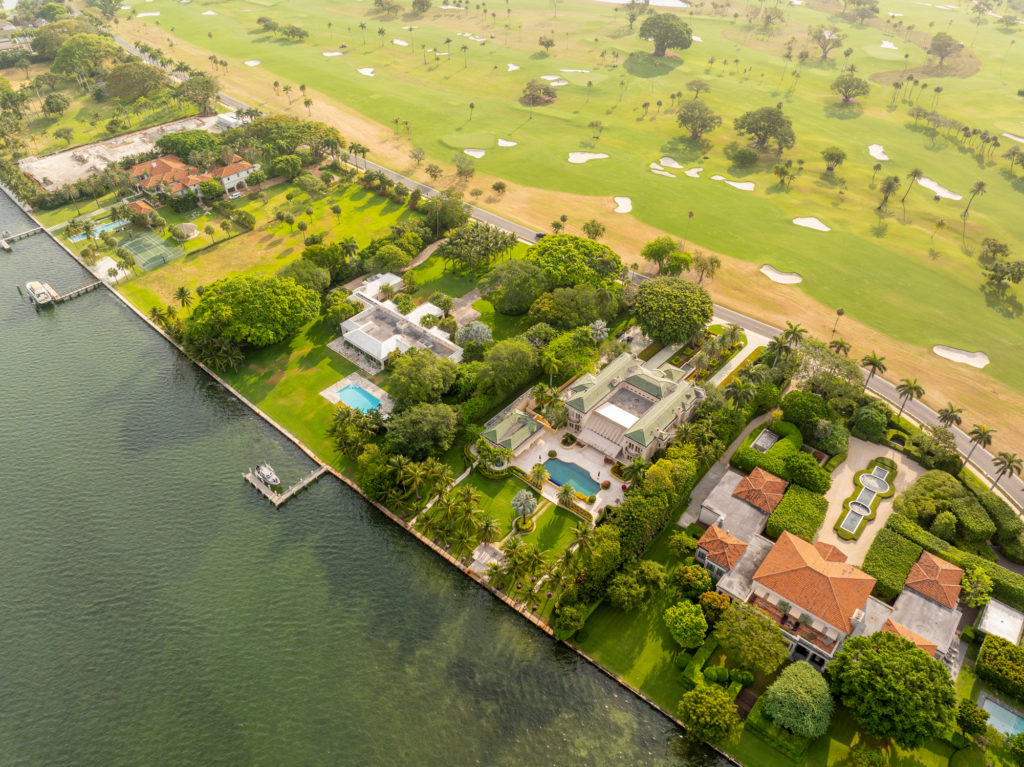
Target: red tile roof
{"x": 892, "y": 627}
{"x": 830, "y": 591}
{"x": 761, "y": 490}
{"x": 936, "y": 579}
{"x": 830, "y": 552}
{"x": 723, "y": 549}
{"x": 230, "y": 170}
{"x": 140, "y": 206}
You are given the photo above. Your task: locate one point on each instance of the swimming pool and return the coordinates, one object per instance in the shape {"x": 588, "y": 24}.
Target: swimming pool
{"x": 357, "y": 398}
{"x": 97, "y": 230}
{"x": 563, "y": 473}
{"x": 1002, "y": 718}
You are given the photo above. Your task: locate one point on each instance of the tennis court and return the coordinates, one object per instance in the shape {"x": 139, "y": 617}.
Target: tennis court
{"x": 151, "y": 250}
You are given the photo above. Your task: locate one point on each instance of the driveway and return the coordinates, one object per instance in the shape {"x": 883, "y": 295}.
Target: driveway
{"x": 860, "y": 455}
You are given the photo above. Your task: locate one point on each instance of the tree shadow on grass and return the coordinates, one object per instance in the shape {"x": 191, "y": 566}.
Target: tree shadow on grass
{"x": 684, "y": 148}
{"x": 841, "y": 111}
{"x": 881, "y": 227}
{"x": 648, "y": 65}
{"x": 1002, "y": 299}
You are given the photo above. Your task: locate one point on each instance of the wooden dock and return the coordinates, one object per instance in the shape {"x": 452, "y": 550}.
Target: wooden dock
{"x": 276, "y": 498}
{"x": 7, "y": 239}
{"x": 59, "y": 298}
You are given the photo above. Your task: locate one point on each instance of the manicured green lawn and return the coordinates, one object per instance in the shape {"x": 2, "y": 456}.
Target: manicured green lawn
{"x": 285, "y": 381}
{"x": 502, "y": 325}
{"x": 555, "y": 531}
{"x": 431, "y": 277}
{"x": 496, "y": 497}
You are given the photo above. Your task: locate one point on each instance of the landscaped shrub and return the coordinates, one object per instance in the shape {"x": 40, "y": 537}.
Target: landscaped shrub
{"x": 969, "y": 634}
{"x": 552, "y": 453}
{"x": 800, "y": 701}
{"x": 803, "y": 409}
{"x": 690, "y": 582}
{"x": 834, "y": 439}
{"x": 404, "y": 303}
{"x": 746, "y": 458}
{"x": 944, "y": 526}
{"x": 742, "y": 676}
{"x": 889, "y": 561}
{"x": 973, "y": 523}
{"x": 682, "y": 544}
{"x": 778, "y": 737}
{"x": 1002, "y": 664}
{"x": 870, "y": 423}
{"x": 686, "y": 624}
{"x": 1009, "y": 527}
{"x": 801, "y": 512}
{"x": 803, "y": 470}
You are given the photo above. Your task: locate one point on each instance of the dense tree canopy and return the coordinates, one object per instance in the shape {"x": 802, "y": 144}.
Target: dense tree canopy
{"x": 568, "y": 260}
{"x": 698, "y": 118}
{"x": 799, "y": 700}
{"x": 513, "y": 286}
{"x": 766, "y": 124}
{"x": 419, "y": 375}
{"x": 423, "y": 430}
{"x": 708, "y": 713}
{"x": 686, "y": 624}
{"x": 670, "y": 310}
{"x": 893, "y": 689}
{"x": 133, "y": 79}
{"x": 84, "y": 54}
{"x": 566, "y": 308}
{"x": 507, "y": 366}
{"x": 49, "y": 39}
{"x": 752, "y": 639}
{"x": 666, "y": 30}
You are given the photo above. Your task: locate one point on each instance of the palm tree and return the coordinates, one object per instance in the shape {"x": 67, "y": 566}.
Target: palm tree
{"x": 908, "y": 389}
{"x": 538, "y": 475}
{"x": 288, "y": 92}
{"x": 739, "y": 391}
{"x": 543, "y": 395}
{"x": 950, "y": 415}
{"x": 978, "y": 189}
{"x": 566, "y": 495}
{"x": 913, "y": 176}
{"x": 550, "y": 364}
{"x": 1007, "y": 463}
{"x": 840, "y": 346}
{"x": 155, "y": 314}
{"x": 793, "y": 335}
{"x": 634, "y": 470}
{"x": 839, "y": 315}
{"x": 489, "y": 531}
{"x": 889, "y": 186}
{"x": 874, "y": 364}
{"x": 362, "y": 28}
{"x": 940, "y": 223}
{"x": 183, "y": 296}
{"x": 776, "y": 348}
{"x": 414, "y": 476}
{"x": 980, "y": 435}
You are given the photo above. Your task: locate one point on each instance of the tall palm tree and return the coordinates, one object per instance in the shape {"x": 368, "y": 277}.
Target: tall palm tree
{"x": 776, "y": 348}
{"x": 888, "y": 188}
{"x": 875, "y": 365}
{"x": 840, "y": 346}
{"x": 980, "y": 435}
{"x": 183, "y": 296}
{"x": 634, "y": 470}
{"x": 490, "y": 530}
{"x": 1007, "y": 463}
{"x": 538, "y": 475}
{"x": 950, "y": 415}
{"x": 414, "y": 476}
{"x": 566, "y": 495}
{"x": 740, "y": 392}
{"x": 550, "y": 364}
{"x": 908, "y": 389}
{"x": 977, "y": 190}
{"x": 913, "y": 176}
{"x": 793, "y": 334}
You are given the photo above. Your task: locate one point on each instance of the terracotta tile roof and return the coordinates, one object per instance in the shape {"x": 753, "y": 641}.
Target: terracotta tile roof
{"x": 919, "y": 641}
{"x": 830, "y": 552}
{"x": 140, "y": 206}
{"x": 761, "y": 490}
{"x": 723, "y": 549}
{"x": 830, "y": 591}
{"x": 230, "y": 170}
{"x": 936, "y": 579}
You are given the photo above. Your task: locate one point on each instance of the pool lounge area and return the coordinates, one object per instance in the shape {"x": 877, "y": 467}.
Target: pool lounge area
{"x": 358, "y": 393}
{"x": 98, "y": 230}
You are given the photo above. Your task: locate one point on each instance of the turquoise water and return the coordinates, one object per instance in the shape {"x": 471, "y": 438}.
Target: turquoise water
{"x": 563, "y": 473}
{"x": 1002, "y": 718}
{"x": 155, "y": 610}
{"x": 110, "y": 226}
{"x": 357, "y": 398}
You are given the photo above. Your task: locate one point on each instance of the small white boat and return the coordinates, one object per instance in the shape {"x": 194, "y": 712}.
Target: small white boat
{"x": 38, "y": 293}
{"x": 265, "y": 473}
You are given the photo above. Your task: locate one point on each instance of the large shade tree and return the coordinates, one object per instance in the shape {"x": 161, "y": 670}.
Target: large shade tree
{"x": 751, "y": 638}
{"x": 670, "y": 310}
{"x": 666, "y": 30}
{"x": 892, "y": 688}
{"x": 799, "y": 700}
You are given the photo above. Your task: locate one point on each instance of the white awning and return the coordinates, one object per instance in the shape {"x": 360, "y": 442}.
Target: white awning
{"x": 595, "y": 440}
{"x": 618, "y": 415}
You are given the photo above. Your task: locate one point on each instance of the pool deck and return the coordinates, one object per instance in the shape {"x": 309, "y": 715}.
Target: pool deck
{"x": 331, "y": 392}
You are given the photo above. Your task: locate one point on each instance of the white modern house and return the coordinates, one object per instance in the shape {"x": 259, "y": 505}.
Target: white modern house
{"x": 381, "y": 329}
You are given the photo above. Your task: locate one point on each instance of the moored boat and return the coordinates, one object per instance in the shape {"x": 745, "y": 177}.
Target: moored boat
{"x": 38, "y": 293}
{"x": 265, "y": 473}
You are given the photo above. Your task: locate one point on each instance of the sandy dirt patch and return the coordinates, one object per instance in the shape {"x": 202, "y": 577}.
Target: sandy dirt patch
{"x": 623, "y": 204}
{"x": 811, "y": 222}
{"x": 974, "y": 359}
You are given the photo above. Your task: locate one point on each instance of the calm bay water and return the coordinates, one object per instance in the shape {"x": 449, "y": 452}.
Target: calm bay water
{"x": 155, "y": 610}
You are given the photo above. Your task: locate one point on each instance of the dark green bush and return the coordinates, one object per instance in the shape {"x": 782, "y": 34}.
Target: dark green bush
{"x": 870, "y": 423}
{"x": 889, "y": 561}
{"x": 801, "y": 512}
{"x": 1002, "y": 664}
{"x": 1009, "y": 527}
{"x": 803, "y": 470}
{"x": 803, "y": 409}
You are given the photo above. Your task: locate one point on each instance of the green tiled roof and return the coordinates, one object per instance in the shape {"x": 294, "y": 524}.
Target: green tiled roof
{"x": 512, "y": 430}
{"x": 587, "y": 390}
{"x": 662, "y": 413}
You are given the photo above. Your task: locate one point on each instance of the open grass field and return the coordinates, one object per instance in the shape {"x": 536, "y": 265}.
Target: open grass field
{"x": 555, "y": 531}
{"x": 902, "y": 291}
{"x": 496, "y": 497}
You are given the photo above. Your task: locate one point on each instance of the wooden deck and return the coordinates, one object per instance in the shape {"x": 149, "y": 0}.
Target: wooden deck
{"x": 278, "y": 499}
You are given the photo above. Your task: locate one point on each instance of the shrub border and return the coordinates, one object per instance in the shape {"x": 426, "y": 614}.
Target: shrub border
{"x": 885, "y": 463}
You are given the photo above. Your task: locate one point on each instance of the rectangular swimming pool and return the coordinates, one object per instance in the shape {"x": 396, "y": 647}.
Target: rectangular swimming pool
{"x": 1002, "y": 718}
{"x": 851, "y": 521}
{"x": 563, "y": 473}
{"x": 97, "y": 230}
{"x": 357, "y": 398}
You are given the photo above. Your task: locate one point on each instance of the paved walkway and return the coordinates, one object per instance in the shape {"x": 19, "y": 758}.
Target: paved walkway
{"x": 462, "y": 307}
{"x": 860, "y": 455}
{"x": 663, "y": 356}
{"x": 424, "y": 254}
{"x": 715, "y": 474}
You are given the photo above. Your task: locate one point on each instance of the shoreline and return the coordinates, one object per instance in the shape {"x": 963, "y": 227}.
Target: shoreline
{"x": 351, "y": 484}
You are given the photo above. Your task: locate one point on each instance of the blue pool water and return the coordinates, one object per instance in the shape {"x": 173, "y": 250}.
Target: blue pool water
{"x": 1002, "y": 718}
{"x": 569, "y": 473}
{"x": 357, "y": 398}
{"x": 98, "y": 229}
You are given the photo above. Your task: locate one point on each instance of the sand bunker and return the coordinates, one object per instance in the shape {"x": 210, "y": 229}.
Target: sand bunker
{"x": 513, "y": 67}
{"x": 623, "y": 204}
{"x": 697, "y": 39}
{"x": 938, "y": 189}
{"x": 583, "y": 71}
{"x": 506, "y": 142}
{"x": 878, "y": 152}
{"x": 974, "y": 359}
{"x": 745, "y": 186}
{"x": 661, "y": 3}
{"x": 209, "y": 13}
{"x": 252, "y": 63}
{"x": 668, "y": 162}
{"x": 693, "y": 172}
{"x": 810, "y": 222}
{"x": 889, "y": 46}
{"x": 332, "y": 53}
{"x": 477, "y": 153}
{"x": 400, "y": 42}
{"x": 1013, "y": 137}
{"x": 663, "y": 173}
{"x": 368, "y": 71}
{"x": 578, "y": 158}
{"x": 550, "y": 78}
{"x": 894, "y": 15}
{"x": 559, "y": 83}
{"x": 451, "y": 8}
{"x": 783, "y": 278}
{"x": 147, "y": 13}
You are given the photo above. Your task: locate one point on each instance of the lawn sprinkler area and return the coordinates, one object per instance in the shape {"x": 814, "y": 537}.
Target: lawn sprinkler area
{"x": 870, "y": 487}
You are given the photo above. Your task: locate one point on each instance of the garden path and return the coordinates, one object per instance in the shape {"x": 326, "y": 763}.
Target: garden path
{"x": 860, "y": 455}
{"x": 754, "y": 340}
{"x": 424, "y": 254}
{"x": 462, "y": 307}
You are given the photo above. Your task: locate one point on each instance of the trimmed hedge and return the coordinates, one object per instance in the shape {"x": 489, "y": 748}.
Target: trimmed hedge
{"x": 692, "y": 674}
{"x": 1009, "y": 527}
{"x": 889, "y": 561}
{"x": 777, "y": 460}
{"x": 792, "y": 745}
{"x": 1002, "y": 664}
{"x": 846, "y": 535}
{"x": 801, "y": 512}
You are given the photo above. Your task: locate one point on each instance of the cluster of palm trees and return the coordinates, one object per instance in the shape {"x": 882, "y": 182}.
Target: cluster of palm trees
{"x": 549, "y": 404}
{"x": 456, "y": 522}
{"x": 474, "y": 248}
{"x": 716, "y": 348}
{"x": 526, "y": 574}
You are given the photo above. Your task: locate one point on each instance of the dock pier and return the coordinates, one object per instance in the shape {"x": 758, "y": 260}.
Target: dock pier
{"x": 8, "y": 238}
{"x": 59, "y": 298}
{"x": 279, "y": 499}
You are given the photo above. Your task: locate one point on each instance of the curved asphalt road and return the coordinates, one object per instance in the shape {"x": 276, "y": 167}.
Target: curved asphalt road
{"x": 981, "y": 460}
